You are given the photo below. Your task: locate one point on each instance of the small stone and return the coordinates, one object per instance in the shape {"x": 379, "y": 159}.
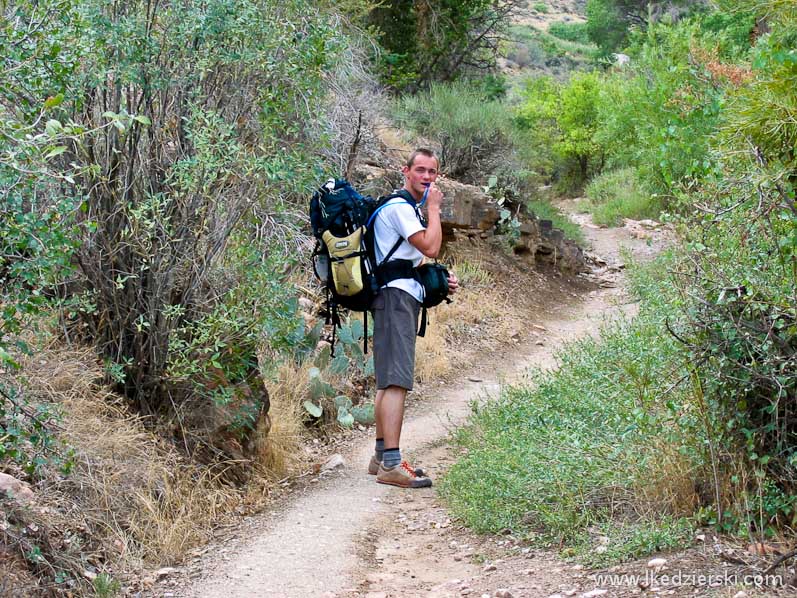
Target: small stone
{"x": 490, "y": 568}
{"x": 503, "y": 593}
{"x": 601, "y": 549}
{"x": 166, "y": 571}
{"x": 572, "y": 592}
{"x": 762, "y": 549}
{"x": 657, "y": 563}
{"x": 740, "y": 595}
{"x": 540, "y": 344}
{"x": 594, "y": 593}
{"x": 334, "y": 462}
{"x": 16, "y": 489}
{"x": 90, "y": 575}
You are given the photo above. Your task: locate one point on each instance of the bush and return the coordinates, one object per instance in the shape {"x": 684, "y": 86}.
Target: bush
{"x": 567, "y": 113}
{"x": 572, "y": 32}
{"x": 619, "y": 194}
{"x": 601, "y": 438}
{"x": 473, "y": 132}
{"x": 438, "y": 40}
{"x": 659, "y": 114}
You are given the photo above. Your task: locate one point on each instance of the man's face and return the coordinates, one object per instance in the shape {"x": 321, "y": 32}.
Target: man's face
{"x": 422, "y": 172}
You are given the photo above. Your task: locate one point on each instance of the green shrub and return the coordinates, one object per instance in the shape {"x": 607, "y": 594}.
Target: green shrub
{"x": 438, "y": 40}
{"x": 588, "y": 443}
{"x": 619, "y": 194}
{"x": 605, "y": 26}
{"x": 660, "y": 112}
{"x": 572, "y": 32}
{"x": 568, "y": 114}
{"x": 473, "y": 132}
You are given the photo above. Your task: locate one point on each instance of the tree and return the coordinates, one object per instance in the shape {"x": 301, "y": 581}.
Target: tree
{"x": 438, "y": 40}
{"x": 569, "y": 112}
{"x": 609, "y": 21}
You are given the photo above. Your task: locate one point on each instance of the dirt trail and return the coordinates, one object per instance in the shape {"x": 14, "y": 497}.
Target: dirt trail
{"x": 348, "y": 536}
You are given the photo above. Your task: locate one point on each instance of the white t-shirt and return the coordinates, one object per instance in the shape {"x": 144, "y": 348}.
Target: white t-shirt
{"x": 399, "y": 219}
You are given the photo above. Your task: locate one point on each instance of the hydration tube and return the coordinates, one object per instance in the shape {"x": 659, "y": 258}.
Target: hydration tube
{"x": 425, "y": 193}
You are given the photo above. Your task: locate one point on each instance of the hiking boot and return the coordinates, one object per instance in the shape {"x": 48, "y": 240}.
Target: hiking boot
{"x": 373, "y": 468}
{"x": 402, "y": 475}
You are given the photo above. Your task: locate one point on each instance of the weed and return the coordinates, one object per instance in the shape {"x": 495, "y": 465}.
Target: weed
{"x": 540, "y": 7}
{"x": 545, "y": 210}
{"x": 278, "y": 446}
{"x": 106, "y": 586}
{"x": 472, "y": 273}
{"x": 629, "y": 540}
{"x": 580, "y": 446}
{"x": 619, "y": 194}
{"x": 572, "y": 32}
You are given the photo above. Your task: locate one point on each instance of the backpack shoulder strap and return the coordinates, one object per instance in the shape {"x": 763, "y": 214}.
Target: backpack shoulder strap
{"x": 385, "y": 199}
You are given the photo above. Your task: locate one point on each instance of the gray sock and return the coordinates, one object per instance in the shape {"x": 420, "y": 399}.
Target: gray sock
{"x": 379, "y": 449}
{"x": 391, "y": 458}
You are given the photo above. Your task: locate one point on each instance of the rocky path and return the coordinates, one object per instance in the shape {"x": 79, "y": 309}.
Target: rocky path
{"x": 345, "y": 535}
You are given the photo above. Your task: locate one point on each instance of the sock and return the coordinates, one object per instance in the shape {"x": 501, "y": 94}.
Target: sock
{"x": 391, "y": 458}
{"x": 379, "y": 449}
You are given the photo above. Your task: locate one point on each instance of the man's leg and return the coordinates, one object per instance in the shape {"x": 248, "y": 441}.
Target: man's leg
{"x": 379, "y": 446}
{"x": 391, "y": 415}
{"x": 392, "y": 470}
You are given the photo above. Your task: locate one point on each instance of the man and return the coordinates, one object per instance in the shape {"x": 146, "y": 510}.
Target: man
{"x": 396, "y": 310}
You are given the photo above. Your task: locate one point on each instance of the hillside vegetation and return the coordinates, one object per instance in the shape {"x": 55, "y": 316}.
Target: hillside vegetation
{"x": 683, "y": 416}
{"x": 160, "y": 361}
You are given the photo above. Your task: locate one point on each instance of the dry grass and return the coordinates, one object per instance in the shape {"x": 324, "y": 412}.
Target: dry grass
{"x": 668, "y": 486}
{"x": 279, "y": 449}
{"x": 431, "y": 354}
{"x": 136, "y": 495}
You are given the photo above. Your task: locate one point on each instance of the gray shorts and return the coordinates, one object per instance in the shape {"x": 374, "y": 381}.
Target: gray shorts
{"x": 395, "y": 327}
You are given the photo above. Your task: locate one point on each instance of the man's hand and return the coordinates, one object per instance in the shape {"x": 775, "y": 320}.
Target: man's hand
{"x": 435, "y": 197}
{"x": 453, "y": 283}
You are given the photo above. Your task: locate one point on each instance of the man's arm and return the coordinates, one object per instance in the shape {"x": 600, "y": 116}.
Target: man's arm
{"x": 429, "y": 240}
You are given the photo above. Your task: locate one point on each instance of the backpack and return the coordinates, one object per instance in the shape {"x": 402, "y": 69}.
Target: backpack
{"x": 344, "y": 259}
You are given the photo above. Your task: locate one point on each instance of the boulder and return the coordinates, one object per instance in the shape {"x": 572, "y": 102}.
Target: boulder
{"x": 16, "y": 489}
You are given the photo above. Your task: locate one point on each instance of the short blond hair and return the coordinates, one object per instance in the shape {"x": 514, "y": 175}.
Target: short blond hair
{"x": 422, "y": 151}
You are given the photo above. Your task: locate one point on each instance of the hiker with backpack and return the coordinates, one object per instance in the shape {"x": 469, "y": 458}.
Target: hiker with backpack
{"x": 403, "y": 238}
{"x": 369, "y": 256}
